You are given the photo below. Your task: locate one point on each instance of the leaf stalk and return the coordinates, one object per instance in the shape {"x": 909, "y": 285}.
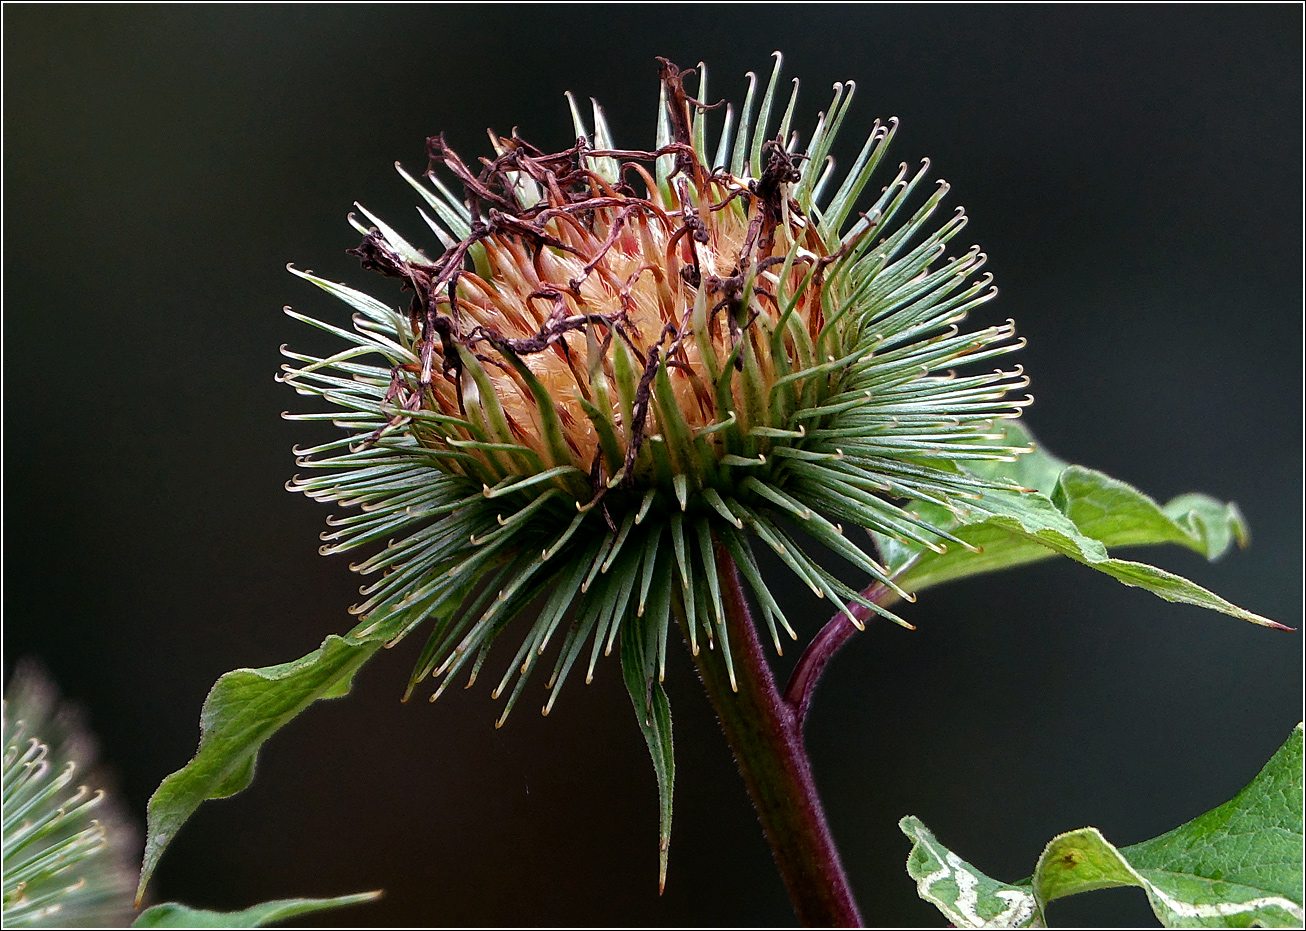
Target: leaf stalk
{"x": 829, "y": 641}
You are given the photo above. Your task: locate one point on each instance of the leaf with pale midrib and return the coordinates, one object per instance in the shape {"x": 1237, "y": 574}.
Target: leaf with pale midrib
{"x": 1237, "y": 865}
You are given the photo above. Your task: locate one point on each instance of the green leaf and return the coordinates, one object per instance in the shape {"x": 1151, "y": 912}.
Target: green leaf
{"x": 245, "y": 708}
{"x": 653, "y": 712}
{"x": 175, "y": 915}
{"x": 1055, "y": 508}
{"x": 1118, "y": 514}
{"x": 1235, "y": 866}
{"x": 1252, "y": 842}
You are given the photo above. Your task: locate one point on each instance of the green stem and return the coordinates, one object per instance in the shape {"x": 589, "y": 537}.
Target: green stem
{"x": 766, "y": 737}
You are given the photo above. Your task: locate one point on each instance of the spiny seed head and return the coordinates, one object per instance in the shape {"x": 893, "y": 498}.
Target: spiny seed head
{"x": 69, "y": 853}
{"x": 629, "y": 367}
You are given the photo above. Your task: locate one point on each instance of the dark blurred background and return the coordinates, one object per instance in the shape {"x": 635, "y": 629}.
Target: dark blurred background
{"x": 1133, "y": 173}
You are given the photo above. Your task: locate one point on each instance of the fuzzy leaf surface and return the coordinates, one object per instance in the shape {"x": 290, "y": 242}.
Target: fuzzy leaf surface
{"x": 245, "y": 708}
{"x": 1236, "y": 866}
{"x": 176, "y": 915}
{"x": 1075, "y": 512}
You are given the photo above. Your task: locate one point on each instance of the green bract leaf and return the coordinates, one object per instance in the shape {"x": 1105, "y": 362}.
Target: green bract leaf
{"x": 245, "y": 708}
{"x": 175, "y": 915}
{"x": 1077, "y": 512}
{"x": 1236, "y": 866}
{"x": 653, "y": 711}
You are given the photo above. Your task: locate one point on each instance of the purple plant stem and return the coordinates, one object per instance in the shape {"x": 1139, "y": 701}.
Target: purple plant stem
{"x": 766, "y": 738}
{"x": 836, "y": 632}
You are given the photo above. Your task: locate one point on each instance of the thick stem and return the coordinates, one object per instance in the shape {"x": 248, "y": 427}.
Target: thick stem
{"x": 837, "y": 631}
{"x": 767, "y": 742}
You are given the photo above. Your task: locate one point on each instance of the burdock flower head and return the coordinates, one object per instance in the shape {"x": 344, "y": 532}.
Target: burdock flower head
{"x": 629, "y": 369}
{"x": 628, "y": 366}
